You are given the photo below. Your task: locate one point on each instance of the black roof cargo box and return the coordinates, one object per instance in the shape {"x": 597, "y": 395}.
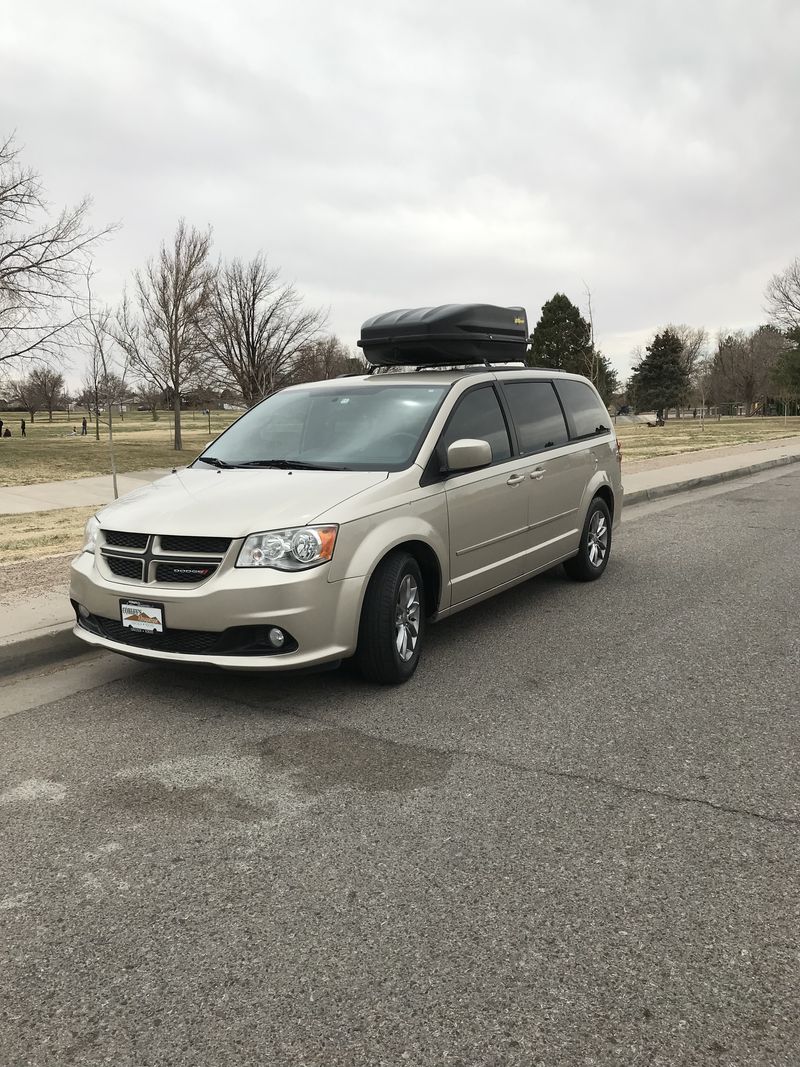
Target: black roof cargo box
{"x": 449, "y": 334}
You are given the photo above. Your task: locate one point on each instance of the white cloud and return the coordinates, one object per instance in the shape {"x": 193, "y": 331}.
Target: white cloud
{"x": 409, "y": 153}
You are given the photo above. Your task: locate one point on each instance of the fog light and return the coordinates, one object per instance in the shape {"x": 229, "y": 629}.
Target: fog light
{"x": 83, "y": 611}
{"x": 276, "y": 637}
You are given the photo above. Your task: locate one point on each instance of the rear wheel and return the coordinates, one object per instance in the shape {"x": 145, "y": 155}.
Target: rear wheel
{"x": 595, "y": 546}
{"x": 392, "y": 621}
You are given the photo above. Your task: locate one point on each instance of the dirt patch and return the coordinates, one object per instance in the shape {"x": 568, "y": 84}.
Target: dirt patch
{"x": 35, "y": 534}
{"x": 20, "y": 581}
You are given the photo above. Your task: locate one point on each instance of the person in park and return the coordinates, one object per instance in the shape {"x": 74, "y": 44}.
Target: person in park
{"x": 6, "y": 432}
{"x": 83, "y": 426}
{"x": 1, "y": 427}
{"x": 22, "y": 427}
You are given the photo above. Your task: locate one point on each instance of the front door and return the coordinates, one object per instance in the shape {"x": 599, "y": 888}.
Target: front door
{"x": 487, "y": 508}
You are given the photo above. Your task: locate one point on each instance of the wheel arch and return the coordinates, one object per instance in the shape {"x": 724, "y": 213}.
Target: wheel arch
{"x": 430, "y": 568}
{"x": 606, "y": 493}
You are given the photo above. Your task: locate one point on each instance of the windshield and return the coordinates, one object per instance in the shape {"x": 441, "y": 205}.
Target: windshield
{"x": 367, "y": 427}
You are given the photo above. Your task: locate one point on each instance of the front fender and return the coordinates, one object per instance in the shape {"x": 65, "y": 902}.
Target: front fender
{"x": 363, "y": 543}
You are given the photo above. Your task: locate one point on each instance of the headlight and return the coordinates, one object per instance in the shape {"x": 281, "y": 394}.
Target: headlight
{"x": 90, "y": 534}
{"x": 289, "y": 550}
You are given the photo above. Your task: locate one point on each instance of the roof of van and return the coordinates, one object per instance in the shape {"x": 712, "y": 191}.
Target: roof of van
{"x": 431, "y": 376}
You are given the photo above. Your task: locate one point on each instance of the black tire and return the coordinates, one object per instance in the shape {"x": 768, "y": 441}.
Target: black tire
{"x": 584, "y": 567}
{"x": 378, "y": 657}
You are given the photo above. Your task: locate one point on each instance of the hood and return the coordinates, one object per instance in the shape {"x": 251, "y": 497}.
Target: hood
{"x": 233, "y": 503}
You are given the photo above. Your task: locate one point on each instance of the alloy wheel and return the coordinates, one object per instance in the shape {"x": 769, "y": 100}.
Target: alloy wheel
{"x": 597, "y": 543}
{"x": 407, "y": 618}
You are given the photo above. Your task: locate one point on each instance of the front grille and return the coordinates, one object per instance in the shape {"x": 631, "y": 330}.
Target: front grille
{"x": 215, "y": 545}
{"x": 235, "y": 641}
{"x": 125, "y": 540}
{"x": 125, "y": 566}
{"x": 184, "y": 572}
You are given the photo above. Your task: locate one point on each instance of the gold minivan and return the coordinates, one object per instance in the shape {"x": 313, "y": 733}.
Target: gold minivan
{"x": 339, "y": 518}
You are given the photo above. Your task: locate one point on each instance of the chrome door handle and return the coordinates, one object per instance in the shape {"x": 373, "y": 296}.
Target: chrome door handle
{"x": 538, "y": 473}
{"x": 515, "y": 479}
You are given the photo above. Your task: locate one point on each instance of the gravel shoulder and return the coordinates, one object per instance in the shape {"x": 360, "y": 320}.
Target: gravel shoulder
{"x": 31, "y": 578}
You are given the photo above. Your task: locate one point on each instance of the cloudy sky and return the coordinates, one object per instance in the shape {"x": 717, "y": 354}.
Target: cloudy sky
{"x": 393, "y": 154}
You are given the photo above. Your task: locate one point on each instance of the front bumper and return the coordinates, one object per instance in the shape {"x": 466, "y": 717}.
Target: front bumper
{"x": 322, "y": 616}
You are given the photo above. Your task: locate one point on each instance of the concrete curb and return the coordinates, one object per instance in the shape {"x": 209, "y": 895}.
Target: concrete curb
{"x": 640, "y": 496}
{"x": 58, "y": 645}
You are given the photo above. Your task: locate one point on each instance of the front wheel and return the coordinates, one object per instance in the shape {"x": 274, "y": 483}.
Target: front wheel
{"x": 392, "y": 621}
{"x": 595, "y": 546}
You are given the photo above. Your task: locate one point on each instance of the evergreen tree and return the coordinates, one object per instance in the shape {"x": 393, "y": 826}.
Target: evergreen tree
{"x": 786, "y": 372}
{"x": 606, "y": 379}
{"x": 561, "y": 338}
{"x": 661, "y": 379}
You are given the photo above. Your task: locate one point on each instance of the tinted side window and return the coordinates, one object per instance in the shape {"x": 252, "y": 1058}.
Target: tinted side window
{"x": 478, "y": 415}
{"x": 585, "y": 413}
{"x": 537, "y": 415}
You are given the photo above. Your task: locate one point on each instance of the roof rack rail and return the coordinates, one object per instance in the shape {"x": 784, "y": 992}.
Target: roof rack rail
{"x": 475, "y": 368}
{"x": 484, "y": 366}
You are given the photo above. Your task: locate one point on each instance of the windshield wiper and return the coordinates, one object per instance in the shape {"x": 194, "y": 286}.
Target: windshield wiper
{"x": 292, "y": 464}
{"x": 215, "y": 462}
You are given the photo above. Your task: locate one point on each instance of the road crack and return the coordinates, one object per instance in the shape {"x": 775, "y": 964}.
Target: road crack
{"x": 613, "y": 785}
{"x": 622, "y": 788}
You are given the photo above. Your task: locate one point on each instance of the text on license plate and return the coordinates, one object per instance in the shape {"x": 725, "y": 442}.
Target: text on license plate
{"x": 138, "y": 616}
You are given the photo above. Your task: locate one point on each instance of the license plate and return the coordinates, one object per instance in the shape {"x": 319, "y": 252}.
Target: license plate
{"x": 140, "y": 616}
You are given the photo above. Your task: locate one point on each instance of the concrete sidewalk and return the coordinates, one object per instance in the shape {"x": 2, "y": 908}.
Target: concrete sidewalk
{"x": 652, "y": 478}
{"x": 35, "y": 613}
{"x": 72, "y": 493}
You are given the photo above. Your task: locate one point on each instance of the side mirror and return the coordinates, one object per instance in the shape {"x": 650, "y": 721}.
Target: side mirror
{"x": 468, "y": 454}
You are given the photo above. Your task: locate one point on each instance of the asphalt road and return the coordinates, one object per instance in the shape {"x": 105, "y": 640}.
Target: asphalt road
{"x": 571, "y": 839}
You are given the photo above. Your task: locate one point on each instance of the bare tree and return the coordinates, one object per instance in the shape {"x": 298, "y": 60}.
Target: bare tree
{"x": 162, "y": 334}
{"x": 326, "y": 358}
{"x": 593, "y": 356}
{"x": 41, "y": 263}
{"x": 702, "y": 380}
{"x": 27, "y": 392}
{"x": 783, "y": 297}
{"x": 102, "y": 327}
{"x": 150, "y": 394}
{"x": 744, "y": 363}
{"x": 50, "y": 386}
{"x": 694, "y": 342}
{"x": 91, "y": 395}
{"x": 258, "y": 327}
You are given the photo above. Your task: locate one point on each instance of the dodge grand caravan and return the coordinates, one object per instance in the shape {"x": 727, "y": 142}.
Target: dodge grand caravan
{"x": 339, "y": 518}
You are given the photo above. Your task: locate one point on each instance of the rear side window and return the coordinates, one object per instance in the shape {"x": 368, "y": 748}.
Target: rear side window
{"x": 537, "y": 415}
{"x": 478, "y": 415}
{"x": 585, "y": 414}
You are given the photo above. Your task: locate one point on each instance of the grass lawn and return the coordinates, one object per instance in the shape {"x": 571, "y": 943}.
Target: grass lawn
{"x": 41, "y": 533}
{"x": 47, "y": 454}
{"x": 640, "y": 441}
